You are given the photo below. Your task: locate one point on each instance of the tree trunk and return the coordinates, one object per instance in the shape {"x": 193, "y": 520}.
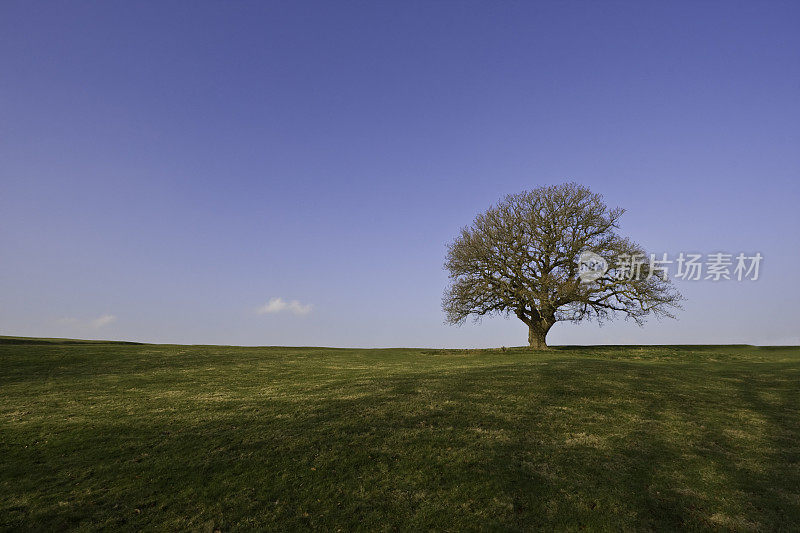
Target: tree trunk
{"x": 537, "y": 335}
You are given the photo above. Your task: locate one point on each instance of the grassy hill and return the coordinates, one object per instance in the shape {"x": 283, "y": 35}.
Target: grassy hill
{"x": 4, "y": 339}
{"x": 206, "y": 437}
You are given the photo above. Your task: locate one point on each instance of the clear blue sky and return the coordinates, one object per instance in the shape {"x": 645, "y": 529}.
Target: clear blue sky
{"x": 168, "y": 168}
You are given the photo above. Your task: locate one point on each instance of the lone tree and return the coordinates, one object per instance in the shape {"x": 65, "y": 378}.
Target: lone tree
{"x": 549, "y": 255}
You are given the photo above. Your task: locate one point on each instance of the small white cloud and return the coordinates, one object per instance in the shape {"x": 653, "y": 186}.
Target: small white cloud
{"x": 276, "y": 305}
{"x": 101, "y": 321}
{"x": 299, "y": 309}
{"x": 95, "y": 323}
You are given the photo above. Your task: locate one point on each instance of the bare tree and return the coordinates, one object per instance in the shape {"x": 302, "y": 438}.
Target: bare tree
{"x": 523, "y": 257}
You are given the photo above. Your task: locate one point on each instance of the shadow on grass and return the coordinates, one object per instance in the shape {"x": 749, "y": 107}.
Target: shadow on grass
{"x": 554, "y": 442}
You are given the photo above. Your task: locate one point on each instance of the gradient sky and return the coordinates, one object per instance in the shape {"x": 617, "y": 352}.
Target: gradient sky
{"x": 167, "y": 169}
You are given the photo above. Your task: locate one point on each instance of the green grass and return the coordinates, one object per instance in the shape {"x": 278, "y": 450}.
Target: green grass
{"x": 171, "y": 437}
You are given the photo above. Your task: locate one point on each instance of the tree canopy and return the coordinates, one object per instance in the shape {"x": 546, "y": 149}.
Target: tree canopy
{"x": 524, "y": 257}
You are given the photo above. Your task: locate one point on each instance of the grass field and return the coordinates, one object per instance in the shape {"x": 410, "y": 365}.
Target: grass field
{"x": 103, "y": 435}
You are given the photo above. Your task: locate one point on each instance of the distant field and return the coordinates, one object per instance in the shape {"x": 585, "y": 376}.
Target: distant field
{"x": 171, "y": 437}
